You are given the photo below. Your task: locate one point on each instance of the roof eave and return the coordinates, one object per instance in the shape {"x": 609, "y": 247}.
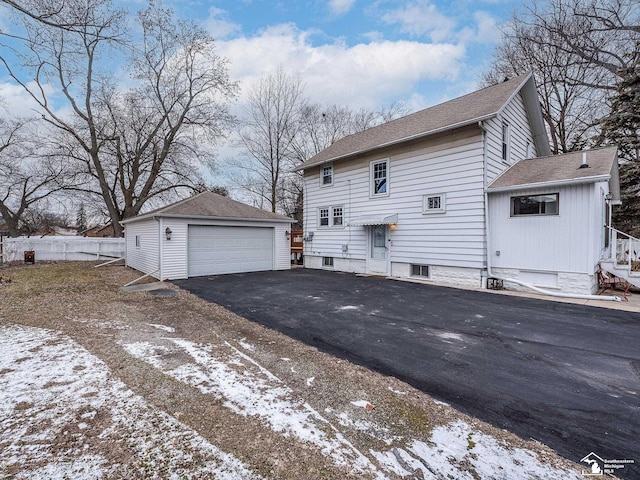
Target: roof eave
{"x": 453, "y": 126}
{"x": 554, "y": 183}
{"x": 206, "y": 217}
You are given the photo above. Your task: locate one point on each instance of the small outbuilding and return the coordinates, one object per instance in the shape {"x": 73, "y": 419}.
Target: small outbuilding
{"x": 207, "y": 234}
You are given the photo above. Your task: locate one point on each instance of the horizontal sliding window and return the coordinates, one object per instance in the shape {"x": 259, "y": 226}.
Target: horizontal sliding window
{"x": 546, "y": 204}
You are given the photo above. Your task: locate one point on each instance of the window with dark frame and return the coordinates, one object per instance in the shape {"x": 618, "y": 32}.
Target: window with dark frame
{"x": 420, "y": 271}
{"x": 379, "y": 179}
{"x": 545, "y": 204}
{"x": 327, "y": 175}
{"x": 324, "y": 217}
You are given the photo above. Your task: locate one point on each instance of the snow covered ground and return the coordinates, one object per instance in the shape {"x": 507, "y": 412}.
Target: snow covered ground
{"x": 247, "y": 388}
{"x": 62, "y": 412}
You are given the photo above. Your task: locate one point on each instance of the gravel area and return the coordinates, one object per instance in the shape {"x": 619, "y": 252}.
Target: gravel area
{"x": 96, "y": 382}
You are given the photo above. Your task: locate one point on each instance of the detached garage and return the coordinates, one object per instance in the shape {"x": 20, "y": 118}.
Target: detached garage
{"x": 207, "y": 234}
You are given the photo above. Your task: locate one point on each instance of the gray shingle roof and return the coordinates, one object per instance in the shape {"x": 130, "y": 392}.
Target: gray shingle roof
{"x": 558, "y": 169}
{"x": 460, "y": 111}
{"x": 209, "y": 204}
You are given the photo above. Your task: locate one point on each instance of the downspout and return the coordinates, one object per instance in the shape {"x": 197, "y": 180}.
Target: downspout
{"x": 160, "y": 246}
{"x": 490, "y": 273}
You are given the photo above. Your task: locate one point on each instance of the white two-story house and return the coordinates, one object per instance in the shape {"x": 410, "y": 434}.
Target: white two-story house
{"x": 415, "y": 197}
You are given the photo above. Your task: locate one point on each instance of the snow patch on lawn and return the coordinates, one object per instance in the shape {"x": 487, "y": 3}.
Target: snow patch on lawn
{"x": 450, "y": 451}
{"x": 458, "y": 444}
{"x": 61, "y": 414}
{"x": 164, "y": 328}
{"x": 254, "y": 392}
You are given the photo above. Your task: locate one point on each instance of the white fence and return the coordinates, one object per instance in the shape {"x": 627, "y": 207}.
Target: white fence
{"x": 62, "y": 248}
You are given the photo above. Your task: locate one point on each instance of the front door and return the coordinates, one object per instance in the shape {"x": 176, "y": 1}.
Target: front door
{"x": 378, "y": 251}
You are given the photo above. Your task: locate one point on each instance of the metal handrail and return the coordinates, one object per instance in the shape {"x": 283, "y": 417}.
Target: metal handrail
{"x": 627, "y": 249}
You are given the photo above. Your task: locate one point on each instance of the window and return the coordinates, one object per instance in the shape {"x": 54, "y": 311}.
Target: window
{"x": 326, "y": 178}
{"x": 137, "y": 241}
{"x": 331, "y": 216}
{"x": 505, "y": 142}
{"x": 420, "y": 271}
{"x": 337, "y": 216}
{"x": 324, "y": 217}
{"x": 327, "y": 261}
{"x": 380, "y": 178}
{"x": 433, "y": 203}
{"x": 546, "y": 204}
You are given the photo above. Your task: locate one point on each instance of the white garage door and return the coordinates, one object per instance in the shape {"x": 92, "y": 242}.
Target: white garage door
{"x": 218, "y": 250}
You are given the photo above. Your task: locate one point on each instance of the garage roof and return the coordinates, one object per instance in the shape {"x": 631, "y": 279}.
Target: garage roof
{"x": 210, "y": 205}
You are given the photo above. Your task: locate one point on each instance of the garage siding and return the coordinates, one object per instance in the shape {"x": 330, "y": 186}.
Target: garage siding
{"x": 283, "y": 247}
{"x": 174, "y": 265}
{"x": 146, "y": 256}
{"x": 216, "y": 250}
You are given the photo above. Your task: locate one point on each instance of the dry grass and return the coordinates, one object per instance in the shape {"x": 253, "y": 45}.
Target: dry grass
{"x": 87, "y": 305}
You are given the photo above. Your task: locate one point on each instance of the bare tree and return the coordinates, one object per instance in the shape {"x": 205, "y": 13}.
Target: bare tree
{"x": 271, "y": 124}
{"x": 603, "y": 34}
{"x": 134, "y": 144}
{"x": 28, "y": 174}
{"x": 571, "y": 109}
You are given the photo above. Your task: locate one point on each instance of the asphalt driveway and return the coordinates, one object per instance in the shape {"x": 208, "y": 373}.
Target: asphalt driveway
{"x": 566, "y": 375}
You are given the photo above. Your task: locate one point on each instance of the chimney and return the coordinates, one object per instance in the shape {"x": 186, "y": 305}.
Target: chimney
{"x": 584, "y": 160}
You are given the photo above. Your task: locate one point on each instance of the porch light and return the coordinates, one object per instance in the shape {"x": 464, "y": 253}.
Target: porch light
{"x": 608, "y": 197}
{"x": 287, "y": 234}
{"x": 168, "y": 233}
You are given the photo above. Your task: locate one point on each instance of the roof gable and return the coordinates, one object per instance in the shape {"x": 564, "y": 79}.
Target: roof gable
{"x": 461, "y": 111}
{"x": 211, "y": 205}
{"x": 557, "y": 169}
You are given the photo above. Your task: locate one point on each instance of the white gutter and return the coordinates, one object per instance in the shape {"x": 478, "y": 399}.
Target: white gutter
{"x": 205, "y": 217}
{"x": 490, "y": 273}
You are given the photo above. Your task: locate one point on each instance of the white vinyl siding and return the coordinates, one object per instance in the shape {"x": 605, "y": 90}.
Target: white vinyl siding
{"x": 450, "y": 164}
{"x": 146, "y": 257}
{"x": 567, "y": 242}
{"x": 520, "y": 138}
{"x": 174, "y": 263}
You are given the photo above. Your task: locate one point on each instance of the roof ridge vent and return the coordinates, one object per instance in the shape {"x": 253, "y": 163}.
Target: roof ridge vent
{"x": 584, "y": 161}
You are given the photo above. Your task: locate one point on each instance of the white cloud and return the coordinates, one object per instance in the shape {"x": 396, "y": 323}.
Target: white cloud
{"x": 340, "y": 7}
{"x": 218, "y": 25}
{"x": 484, "y": 31}
{"x": 488, "y": 30}
{"x": 16, "y": 102}
{"x": 420, "y": 18}
{"x": 366, "y": 74}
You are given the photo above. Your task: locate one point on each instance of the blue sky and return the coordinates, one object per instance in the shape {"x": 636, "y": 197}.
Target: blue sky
{"x": 360, "y": 53}
{"x": 348, "y": 52}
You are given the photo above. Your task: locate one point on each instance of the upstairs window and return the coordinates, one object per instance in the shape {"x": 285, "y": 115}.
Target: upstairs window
{"x": 380, "y": 178}
{"x": 505, "y": 142}
{"x": 546, "y": 204}
{"x": 327, "y": 175}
